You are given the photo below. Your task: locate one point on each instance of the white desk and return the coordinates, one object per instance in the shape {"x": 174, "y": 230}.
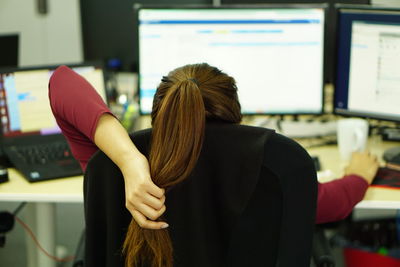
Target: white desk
{"x": 42, "y": 197}
{"x": 375, "y": 198}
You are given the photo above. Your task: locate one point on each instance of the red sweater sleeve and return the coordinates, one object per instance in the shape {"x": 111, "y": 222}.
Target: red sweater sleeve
{"x": 77, "y": 108}
{"x": 337, "y": 198}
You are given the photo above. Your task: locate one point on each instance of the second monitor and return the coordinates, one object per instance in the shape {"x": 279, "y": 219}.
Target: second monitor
{"x": 368, "y": 56}
{"x": 275, "y": 54}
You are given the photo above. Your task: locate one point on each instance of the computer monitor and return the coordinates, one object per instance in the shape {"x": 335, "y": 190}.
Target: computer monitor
{"x": 275, "y": 53}
{"x": 24, "y": 102}
{"x": 368, "y": 55}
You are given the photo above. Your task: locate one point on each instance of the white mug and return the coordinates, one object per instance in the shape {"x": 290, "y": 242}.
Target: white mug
{"x": 351, "y": 136}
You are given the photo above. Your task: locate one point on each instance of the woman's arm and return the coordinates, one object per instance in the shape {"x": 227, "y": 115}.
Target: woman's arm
{"x": 77, "y": 108}
{"x": 143, "y": 198}
{"x": 88, "y": 124}
{"x": 336, "y": 199}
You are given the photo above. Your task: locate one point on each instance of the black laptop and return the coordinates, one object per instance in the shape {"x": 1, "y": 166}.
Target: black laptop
{"x": 31, "y": 139}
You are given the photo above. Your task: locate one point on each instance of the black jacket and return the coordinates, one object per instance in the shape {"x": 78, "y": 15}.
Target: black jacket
{"x": 250, "y": 201}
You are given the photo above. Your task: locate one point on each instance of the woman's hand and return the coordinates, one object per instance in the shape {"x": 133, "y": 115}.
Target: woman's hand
{"x": 363, "y": 164}
{"x": 144, "y": 199}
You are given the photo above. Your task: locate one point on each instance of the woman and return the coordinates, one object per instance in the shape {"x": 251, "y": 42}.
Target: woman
{"x": 88, "y": 124}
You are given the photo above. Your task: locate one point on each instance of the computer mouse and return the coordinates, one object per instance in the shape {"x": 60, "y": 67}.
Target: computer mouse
{"x": 392, "y": 155}
{"x": 317, "y": 163}
{"x": 3, "y": 174}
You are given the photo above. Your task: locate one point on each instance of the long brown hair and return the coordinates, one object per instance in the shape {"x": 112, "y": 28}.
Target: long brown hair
{"x": 184, "y": 100}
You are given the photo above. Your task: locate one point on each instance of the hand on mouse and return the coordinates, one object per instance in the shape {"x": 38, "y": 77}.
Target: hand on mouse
{"x": 363, "y": 164}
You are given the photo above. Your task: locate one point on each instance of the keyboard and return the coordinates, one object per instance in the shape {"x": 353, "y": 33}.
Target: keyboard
{"x": 43, "y": 161}
{"x": 42, "y": 154}
{"x": 387, "y": 177}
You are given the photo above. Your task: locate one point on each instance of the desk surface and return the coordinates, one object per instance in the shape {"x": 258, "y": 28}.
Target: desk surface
{"x": 58, "y": 190}
{"x": 71, "y": 189}
{"x": 333, "y": 166}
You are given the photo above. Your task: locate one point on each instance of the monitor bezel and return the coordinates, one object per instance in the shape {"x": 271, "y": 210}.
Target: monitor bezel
{"x": 354, "y": 113}
{"x": 95, "y": 63}
{"x": 323, "y": 6}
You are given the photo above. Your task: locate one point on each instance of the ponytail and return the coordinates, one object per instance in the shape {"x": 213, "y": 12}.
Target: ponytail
{"x": 177, "y": 137}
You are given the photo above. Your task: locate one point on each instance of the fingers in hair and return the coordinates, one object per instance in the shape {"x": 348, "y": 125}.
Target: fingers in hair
{"x": 145, "y": 223}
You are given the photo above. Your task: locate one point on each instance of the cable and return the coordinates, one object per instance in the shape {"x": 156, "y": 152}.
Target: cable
{"x": 18, "y": 209}
{"x": 29, "y": 231}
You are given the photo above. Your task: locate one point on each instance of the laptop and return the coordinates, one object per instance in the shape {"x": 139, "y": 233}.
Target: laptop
{"x": 31, "y": 138}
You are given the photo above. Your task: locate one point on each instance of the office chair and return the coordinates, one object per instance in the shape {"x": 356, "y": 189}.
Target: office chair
{"x": 321, "y": 250}
{"x": 271, "y": 222}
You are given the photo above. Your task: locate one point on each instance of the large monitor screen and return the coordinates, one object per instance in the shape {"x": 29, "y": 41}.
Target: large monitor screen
{"x": 274, "y": 54}
{"x": 368, "y": 63}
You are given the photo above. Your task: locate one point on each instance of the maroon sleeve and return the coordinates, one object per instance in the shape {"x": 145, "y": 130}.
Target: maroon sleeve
{"x": 77, "y": 108}
{"x": 337, "y": 198}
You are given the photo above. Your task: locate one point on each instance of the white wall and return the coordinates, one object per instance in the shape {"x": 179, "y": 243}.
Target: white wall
{"x": 51, "y": 38}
